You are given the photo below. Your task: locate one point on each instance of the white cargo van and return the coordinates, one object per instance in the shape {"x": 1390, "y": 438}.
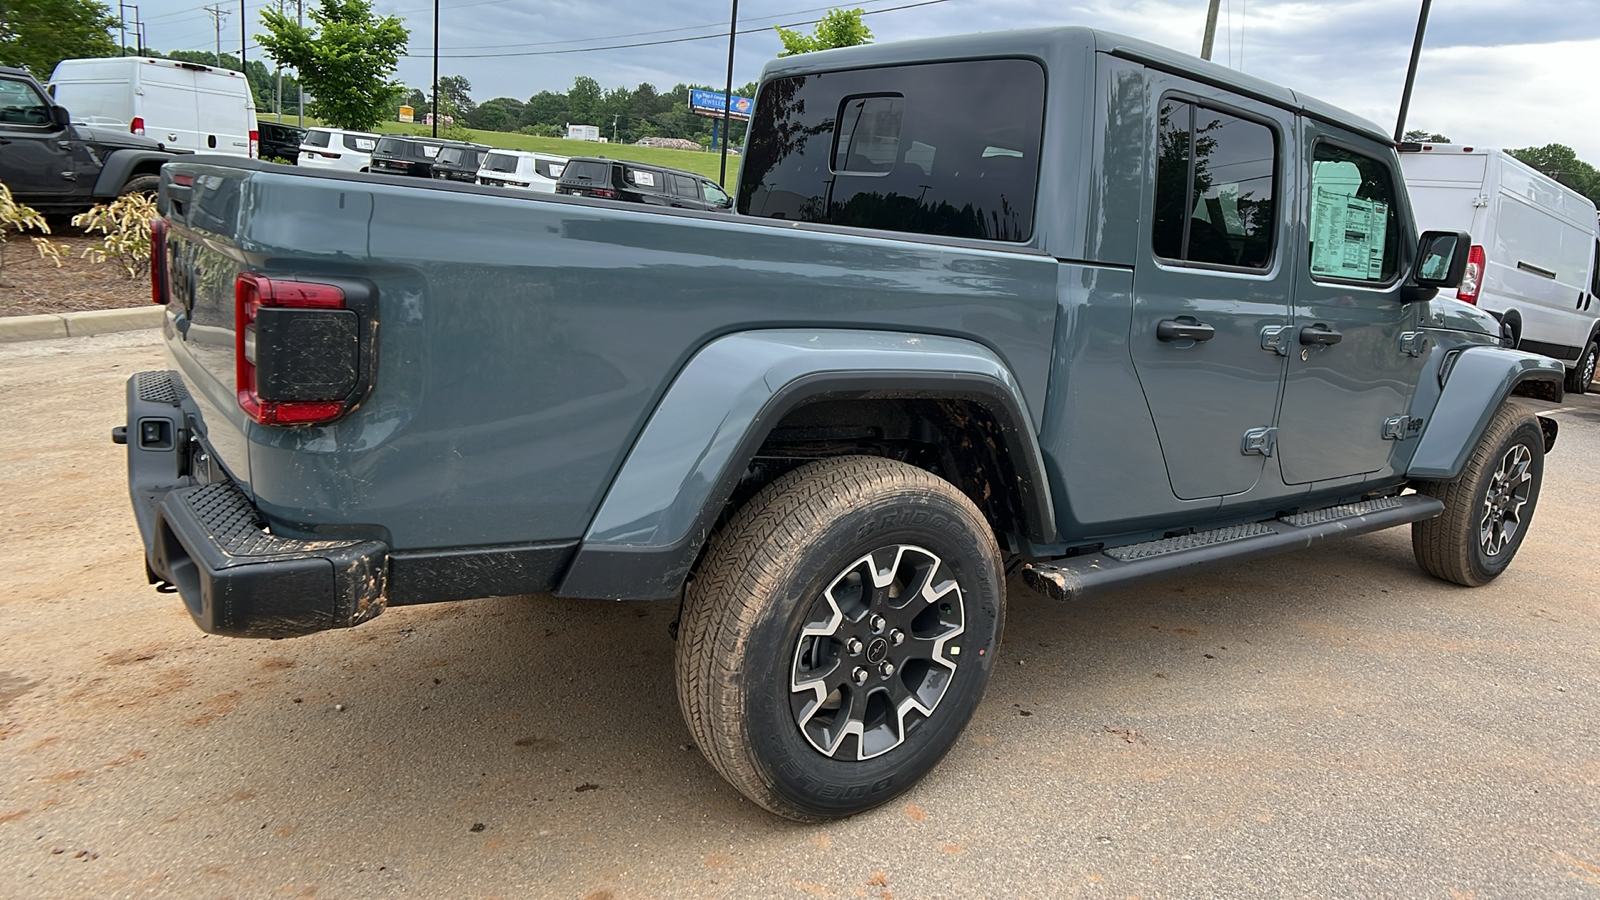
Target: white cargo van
{"x": 181, "y": 104}
{"x": 1535, "y": 252}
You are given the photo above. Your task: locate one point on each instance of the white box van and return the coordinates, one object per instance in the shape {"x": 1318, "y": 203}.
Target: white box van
{"x": 521, "y": 169}
{"x": 1535, "y": 250}
{"x": 181, "y": 104}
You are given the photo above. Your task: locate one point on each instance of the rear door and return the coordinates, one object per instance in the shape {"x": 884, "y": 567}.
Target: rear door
{"x": 165, "y": 99}
{"x": 223, "y": 114}
{"x": 1354, "y": 351}
{"x": 1214, "y": 272}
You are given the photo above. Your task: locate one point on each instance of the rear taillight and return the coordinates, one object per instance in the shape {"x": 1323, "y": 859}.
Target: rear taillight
{"x": 158, "y": 260}
{"x": 137, "y": 125}
{"x": 603, "y": 192}
{"x": 255, "y": 144}
{"x": 1472, "y": 278}
{"x": 323, "y": 336}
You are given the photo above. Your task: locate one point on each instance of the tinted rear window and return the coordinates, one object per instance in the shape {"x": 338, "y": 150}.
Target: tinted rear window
{"x": 587, "y": 171}
{"x": 549, "y": 168}
{"x": 500, "y": 162}
{"x": 360, "y": 142}
{"x": 451, "y": 156}
{"x": 945, "y": 148}
{"x": 316, "y": 137}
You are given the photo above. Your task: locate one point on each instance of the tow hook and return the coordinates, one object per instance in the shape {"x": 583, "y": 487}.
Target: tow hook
{"x": 119, "y": 434}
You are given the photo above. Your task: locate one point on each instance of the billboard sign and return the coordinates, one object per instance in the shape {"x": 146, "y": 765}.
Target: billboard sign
{"x": 709, "y": 103}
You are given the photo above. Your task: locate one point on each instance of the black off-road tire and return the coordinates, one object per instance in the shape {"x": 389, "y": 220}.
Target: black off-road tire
{"x": 1488, "y": 509}
{"x": 1581, "y": 377}
{"x": 799, "y": 555}
{"x": 140, "y": 184}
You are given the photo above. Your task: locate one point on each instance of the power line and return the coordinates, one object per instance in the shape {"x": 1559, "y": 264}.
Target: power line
{"x": 614, "y": 37}
{"x": 682, "y": 40}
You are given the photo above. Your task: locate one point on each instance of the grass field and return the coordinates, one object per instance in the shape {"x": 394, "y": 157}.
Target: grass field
{"x": 700, "y": 162}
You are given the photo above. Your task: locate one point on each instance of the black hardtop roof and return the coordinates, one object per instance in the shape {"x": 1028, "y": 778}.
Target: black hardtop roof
{"x": 424, "y": 139}
{"x": 13, "y": 70}
{"x": 637, "y": 165}
{"x": 1057, "y": 47}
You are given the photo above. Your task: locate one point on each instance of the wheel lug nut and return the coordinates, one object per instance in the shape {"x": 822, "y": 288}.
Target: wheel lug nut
{"x": 853, "y": 646}
{"x": 886, "y": 667}
{"x": 877, "y": 623}
{"x": 898, "y": 636}
{"x": 860, "y": 675}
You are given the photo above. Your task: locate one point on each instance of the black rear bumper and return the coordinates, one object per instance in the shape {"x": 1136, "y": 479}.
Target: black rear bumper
{"x": 203, "y": 536}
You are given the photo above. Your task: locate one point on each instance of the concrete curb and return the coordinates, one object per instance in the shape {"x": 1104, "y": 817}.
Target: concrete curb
{"x": 78, "y": 324}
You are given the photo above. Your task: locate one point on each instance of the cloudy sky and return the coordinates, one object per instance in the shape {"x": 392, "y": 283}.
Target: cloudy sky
{"x": 1508, "y": 73}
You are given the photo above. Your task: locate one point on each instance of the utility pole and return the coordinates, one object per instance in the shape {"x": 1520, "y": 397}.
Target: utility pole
{"x": 299, "y": 89}
{"x": 727, "y": 97}
{"x": 1411, "y": 72}
{"x": 613, "y": 128}
{"x": 1211, "y": 30}
{"x": 122, "y": 25}
{"x": 435, "y": 116}
{"x": 218, "y": 13}
{"x": 277, "y": 91}
{"x": 242, "y": 18}
{"x": 138, "y": 32}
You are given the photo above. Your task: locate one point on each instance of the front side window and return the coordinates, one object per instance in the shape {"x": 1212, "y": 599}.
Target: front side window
{"x": 1354, "y": 233}
{"x": 941, "y": 149}
{"x": 1214, "y": 197}
{"x": 20, "y": 104}
{"x": 717, "y": 197}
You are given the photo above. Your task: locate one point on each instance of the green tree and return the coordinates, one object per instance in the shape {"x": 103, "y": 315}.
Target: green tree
{"x": 838, "y": 28}
{"x": 584, "y": 100}
{"x": 37, "y": 34}
{"x": 346, "y": 60}
{"x": 456, "y": 92}
{"x": 1562, "y": 163}
{"x": 545, "y": 108}
{"x": 1421, "y": 136}
{"x": 499, "y": 114}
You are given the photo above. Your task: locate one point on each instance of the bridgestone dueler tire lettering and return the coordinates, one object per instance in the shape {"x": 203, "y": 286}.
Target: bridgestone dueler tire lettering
{"x": 743, "y": 615}
{"x": 1449, "y": 546}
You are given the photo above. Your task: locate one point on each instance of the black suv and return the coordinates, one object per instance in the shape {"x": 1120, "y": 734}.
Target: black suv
{"x": 280, "y": 141}
{"x": 612, "y": 179}
{"x": 55, "y": 166}
{"x": 400, "y": 155}
{"x": 459, "y": 162}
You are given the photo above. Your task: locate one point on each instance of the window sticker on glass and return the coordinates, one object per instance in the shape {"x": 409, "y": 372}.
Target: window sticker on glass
{"x": 430, "y": 152}
{"x": 643, "y": 179}
{"x": 367, "y": 144}
{"x": 1347, "y": 231}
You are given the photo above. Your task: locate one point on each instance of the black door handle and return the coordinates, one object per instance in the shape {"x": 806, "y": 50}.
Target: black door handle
{"x": 1319, "y": 334}
{"x": 1184, "y": 328}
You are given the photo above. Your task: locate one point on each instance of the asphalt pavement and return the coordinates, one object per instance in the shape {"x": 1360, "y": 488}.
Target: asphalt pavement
{"x": 1331, "y": 723}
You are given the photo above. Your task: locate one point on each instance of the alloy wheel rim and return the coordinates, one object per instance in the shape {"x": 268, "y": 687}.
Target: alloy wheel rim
{"x": 877, "y": 653}
{"x": 1588, "y": 370}
{"x": 1507, "y": 494}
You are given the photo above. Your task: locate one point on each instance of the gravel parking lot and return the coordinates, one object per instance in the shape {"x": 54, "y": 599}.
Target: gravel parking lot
{"x": 1331, "y": 723}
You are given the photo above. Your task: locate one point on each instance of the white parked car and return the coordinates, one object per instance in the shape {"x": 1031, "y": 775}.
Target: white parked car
{"x": 522, "y": 170}
{"x": 334, "y": 148}
{"x": 1535, "y": 252}
{"x": 183, "y": 105}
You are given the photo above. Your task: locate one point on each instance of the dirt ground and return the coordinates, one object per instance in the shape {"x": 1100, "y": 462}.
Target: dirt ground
{"x": 1330, "y": 723}
{"x": 30, "y": 285}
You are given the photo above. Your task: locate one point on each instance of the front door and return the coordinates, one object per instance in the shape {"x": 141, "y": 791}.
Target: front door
{"x": 1353, "y": 350}
{"x": 38, "y": 160}
{"x": 1214, "y": 272}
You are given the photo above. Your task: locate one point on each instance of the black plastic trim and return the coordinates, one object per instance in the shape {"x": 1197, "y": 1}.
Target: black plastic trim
{"x": 634, "y": 572}
{"x": 1554, "y": 351}
{"x": 432, "y": 576}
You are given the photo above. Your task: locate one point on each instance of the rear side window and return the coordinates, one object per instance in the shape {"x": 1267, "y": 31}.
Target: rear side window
{"x": 944, "y": 148}
{"x": 359, "y": 143}
{"x": 316, "y": 137}
{"x": 551, "y": 169}
{"x": 1354, "y": 233}
{"x": 684, "y": 186}
{"x": 1214, "y": 198}
{"x": 643, "y": 178}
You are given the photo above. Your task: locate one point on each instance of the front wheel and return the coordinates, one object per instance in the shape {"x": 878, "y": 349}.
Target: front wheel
{"x": 1581, "y": 378}
{"x": 1487, "y": 509}
{"x": 141, "y": 184}
{"x": 839, "y": 634}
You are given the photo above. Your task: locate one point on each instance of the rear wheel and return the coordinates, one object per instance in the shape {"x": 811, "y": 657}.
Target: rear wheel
{"x": 1581, "y": 377}
{"x": 1489, "y": 507}
{"x": 839, "y": 635}
{"x": 140, "y": 184}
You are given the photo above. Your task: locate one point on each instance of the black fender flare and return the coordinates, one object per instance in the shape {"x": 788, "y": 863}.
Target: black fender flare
{"x": 121, "y": 165}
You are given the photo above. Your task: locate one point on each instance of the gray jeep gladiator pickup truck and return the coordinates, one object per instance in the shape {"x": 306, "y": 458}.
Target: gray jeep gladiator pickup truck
{"x": 1053, "y": 303}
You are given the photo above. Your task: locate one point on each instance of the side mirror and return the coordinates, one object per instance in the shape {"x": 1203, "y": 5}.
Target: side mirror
{"x": 1441, "y": 259}
{"x": 60, "y": 116}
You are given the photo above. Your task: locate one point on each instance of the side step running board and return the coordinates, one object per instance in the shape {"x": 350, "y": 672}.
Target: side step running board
{"x": 1074, "y": 577}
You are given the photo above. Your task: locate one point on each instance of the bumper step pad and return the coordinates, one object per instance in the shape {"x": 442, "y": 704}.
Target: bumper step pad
{"x": 1119, "y": 567}
{"x": 236, "y": 578}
